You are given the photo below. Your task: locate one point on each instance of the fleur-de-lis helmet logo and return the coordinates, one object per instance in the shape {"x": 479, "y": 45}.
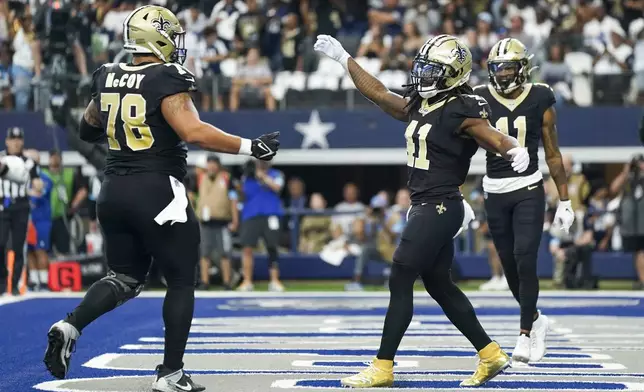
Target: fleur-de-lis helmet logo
{"x": 460, "y": 53}
{"x": 161, "y": 24}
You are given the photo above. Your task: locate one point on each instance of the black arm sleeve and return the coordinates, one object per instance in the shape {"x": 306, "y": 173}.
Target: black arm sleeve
{"x": 90, "y": 133}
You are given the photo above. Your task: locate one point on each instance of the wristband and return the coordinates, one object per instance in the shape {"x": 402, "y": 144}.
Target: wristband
{"x": 245, "y": 147}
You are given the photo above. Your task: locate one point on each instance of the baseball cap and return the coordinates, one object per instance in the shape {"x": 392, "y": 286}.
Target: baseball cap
{"x": 15, "y": 133}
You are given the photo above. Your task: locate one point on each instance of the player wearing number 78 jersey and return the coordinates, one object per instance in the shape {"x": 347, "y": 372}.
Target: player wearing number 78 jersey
{"x": 144, "y": 113}
{"x": 446, "y": 123}
{"x": 514, "y": 201}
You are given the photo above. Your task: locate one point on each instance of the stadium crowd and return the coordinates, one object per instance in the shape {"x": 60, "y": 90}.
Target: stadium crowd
{"x": 257, "y": 52}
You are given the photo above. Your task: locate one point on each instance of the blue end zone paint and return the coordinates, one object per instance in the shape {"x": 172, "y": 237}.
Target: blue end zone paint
{"x": 346, "y": 352}
{"x": 543, "y": 385}
{"x": 24, "y": 326}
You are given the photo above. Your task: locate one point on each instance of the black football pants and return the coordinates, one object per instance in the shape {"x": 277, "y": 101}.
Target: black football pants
{"x": 426, "y": 249}
{"x": 14, "y": 221}
{"x": 515, "y": 220}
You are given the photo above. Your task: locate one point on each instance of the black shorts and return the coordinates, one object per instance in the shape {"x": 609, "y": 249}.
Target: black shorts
{"x": 127, "y": 207}
{"x": 633, "y": 243}
{"x": 429, "y": 234}
{"x": 266, "y": 227}
{"x": 515, "y": 219}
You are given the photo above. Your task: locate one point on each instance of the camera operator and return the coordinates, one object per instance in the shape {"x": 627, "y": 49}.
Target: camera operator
{"x": 57, "y": 42}
{"x": 630, "y": 183}
{"x": 261, "y": 214}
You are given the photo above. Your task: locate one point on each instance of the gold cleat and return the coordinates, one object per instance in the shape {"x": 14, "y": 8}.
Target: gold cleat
{"x": 380, "y": 373}
{"x": 492, "y": 361}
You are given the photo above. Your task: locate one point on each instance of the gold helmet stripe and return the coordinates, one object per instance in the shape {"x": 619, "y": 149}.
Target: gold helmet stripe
{"x": 436, "y": 41}
{"x": 126, "y": 24}
{"x": 503, "y": 46}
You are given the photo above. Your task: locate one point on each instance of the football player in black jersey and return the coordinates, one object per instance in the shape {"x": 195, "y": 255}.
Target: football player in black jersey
{"x": 144, "y": 112}
{"x": 515, "y": 202}
{"x": 446, "y": 123}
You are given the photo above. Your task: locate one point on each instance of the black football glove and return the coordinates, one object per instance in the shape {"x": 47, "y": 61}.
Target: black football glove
{"x": 265, "y": 147}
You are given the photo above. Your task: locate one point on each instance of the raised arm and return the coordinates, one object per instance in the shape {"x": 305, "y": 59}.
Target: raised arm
{"x": 390, "y": 102}
{"x": 180, "y": 113}
{"x": 553, "y": 155}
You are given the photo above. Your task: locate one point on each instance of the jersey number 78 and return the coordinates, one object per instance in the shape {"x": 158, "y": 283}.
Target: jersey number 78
{"x": 131, "y": 108}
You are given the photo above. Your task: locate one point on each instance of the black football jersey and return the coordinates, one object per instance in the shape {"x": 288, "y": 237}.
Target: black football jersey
{"x": 438, "y": 152}
{"x": 129, "y": 99}
{"x": 521, "y": 118}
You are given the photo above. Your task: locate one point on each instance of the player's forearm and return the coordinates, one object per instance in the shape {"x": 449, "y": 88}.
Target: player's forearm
{"x": 376, "y": 92}
{"x": 505, "y": 144}
{"x": 558, "y": 174}
{"x": 212, "y": 138}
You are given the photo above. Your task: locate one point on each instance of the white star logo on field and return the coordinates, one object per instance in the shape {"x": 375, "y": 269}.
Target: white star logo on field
{"x": 315, "y": 131}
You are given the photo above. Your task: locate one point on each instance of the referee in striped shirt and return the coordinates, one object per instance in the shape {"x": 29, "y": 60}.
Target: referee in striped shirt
{"x": 14, "y": 211}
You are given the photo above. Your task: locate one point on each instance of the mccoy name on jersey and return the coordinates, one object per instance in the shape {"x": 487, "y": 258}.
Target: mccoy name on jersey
{"x": 521, "y": 118}
{"x": 438, "y": 153}
{"x": 129, "y": 98}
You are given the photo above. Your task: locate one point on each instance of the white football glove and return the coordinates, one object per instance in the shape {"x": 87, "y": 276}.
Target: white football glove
{"x": 565, "y": 216}
{"x": 520, "y": 159}
{"x": 332, "y": 48}
{"x": 17, "y": 169}
{"x": 468, "y": 216}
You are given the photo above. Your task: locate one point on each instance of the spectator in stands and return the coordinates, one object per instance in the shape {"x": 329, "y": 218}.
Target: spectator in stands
{"x": 486, "y": 35}
{"x": 328, "y": 17}
{"x": 350, "y": 204}
{"x": 224, "y": 17}
{"x": 557, "y": 74}
{"x": 390, "y": 17}
{"x": 248, "y": 28}
{"x": 193, "y": 179}
{"x": 395, "y": 58}
{"x": 192, "y": 46}
{"x": 253, "y": 80}
{"x": 457, "y": 12}
{"x": 479, "y": 74}
{"x": 69, "y": 192}
{"x": 22, "y": 67}
{"x": 296, "y": 198}
{"x": 630, "y": 184}
{"x": 597, "y": 32}
{"x": 517, "y": 31}
{"x": 610, "y": 64}
{"x": 272, "y": 33}
{"x": 542, "y": 28}
{"x": 291, "y": 49}
{"x": 395, "y": 221}
{"x": 115, "y": 17}
{"x": 424, "y": 15}
{"x": 373, "y": 43}
{"x": 213, "y": 51}
{"x": 365, "y": 233}
{"x": 413, "y": 39}
{"x": 6, "y": 98}
{"x": 261, "y": 215}
{"x": 195, "y": 20}
{"x": 315, "y": 229}
{"x": 638, "y": 62}
{"x": 218, "y": 215}
{"x": 447, "y": 27}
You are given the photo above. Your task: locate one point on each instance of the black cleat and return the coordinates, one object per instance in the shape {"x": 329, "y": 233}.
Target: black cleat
{"x": 61, "y": 342}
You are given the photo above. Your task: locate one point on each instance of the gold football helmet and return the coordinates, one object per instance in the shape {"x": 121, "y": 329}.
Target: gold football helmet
{"x": 508, "y": 65}
{"x": 152, "y": 29}
{"x": 442, "y": 63}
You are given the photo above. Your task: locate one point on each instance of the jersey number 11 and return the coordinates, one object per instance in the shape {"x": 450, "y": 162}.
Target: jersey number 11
{"x": 519, "y": 124}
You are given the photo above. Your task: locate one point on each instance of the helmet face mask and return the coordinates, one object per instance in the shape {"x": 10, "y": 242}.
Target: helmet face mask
{"x": 508, "y": 65}
{"x": 428, "y": 77}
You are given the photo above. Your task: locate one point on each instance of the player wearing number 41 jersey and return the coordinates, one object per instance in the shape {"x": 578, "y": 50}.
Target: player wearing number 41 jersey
{"x": 144, "y": 113}
{"x": 445, "y": 125}
{"x": 514, "y": 201}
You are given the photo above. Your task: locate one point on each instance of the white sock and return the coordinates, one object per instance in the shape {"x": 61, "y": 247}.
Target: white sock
{"x": 44, "y": 277}
{"x": 33, "y": 276}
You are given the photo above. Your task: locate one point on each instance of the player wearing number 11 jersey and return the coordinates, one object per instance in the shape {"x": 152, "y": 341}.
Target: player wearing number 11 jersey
{"x": 144, "y": 113}
{"x": 515, "y": 202}
{"x": 445, "y": 125}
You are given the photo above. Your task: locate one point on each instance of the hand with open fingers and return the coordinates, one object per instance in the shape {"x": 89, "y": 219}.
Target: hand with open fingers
{"x": 520, "y": 159}
{"x": 332, "y": 48}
